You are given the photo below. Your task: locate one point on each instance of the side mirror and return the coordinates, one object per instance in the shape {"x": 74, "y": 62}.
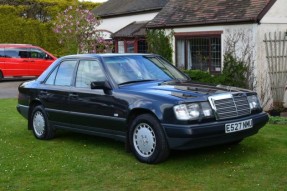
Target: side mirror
{"x": 47, "y": 57}
{"x": 104, "y": 85}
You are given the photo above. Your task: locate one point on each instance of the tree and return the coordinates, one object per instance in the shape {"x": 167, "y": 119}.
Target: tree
{"x": 76, "y": 29}
{"x": 159, "y": 43}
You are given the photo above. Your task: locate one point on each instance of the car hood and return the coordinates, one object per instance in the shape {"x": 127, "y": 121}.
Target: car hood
{"x": 183, "y": 90}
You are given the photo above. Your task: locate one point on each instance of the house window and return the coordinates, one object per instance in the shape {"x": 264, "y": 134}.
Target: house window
{"x": 199, "y": 52}
{"x": 142, "y": 46}
{"x": 130, "y": 46}
{"x": 121, "y": 47}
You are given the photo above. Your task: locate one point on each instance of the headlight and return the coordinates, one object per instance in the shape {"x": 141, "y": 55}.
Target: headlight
{"x": 254, "y": 103}
{"x": 193, "y": 111}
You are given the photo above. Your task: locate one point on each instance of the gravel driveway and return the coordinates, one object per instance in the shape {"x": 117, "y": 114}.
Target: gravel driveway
{"x": 9, "y": 89}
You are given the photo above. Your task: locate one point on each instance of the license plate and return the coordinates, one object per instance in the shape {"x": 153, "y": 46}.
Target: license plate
{"x": 238, "y": 126}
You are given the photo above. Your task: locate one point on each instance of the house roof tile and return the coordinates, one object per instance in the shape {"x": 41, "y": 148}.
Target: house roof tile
{"x": 199, "y": 12}
{"x": 135, "y": 29}
{"x": 121, "y": 7}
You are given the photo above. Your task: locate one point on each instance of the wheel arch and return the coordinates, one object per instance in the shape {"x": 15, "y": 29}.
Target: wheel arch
{"x": 139, "y": 111}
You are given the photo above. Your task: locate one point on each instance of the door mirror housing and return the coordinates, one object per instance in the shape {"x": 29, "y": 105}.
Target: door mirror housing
{"x": 47, "y": 57}
{"x": 104, "y": 85}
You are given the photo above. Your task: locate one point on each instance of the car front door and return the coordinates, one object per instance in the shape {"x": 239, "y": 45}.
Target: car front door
{"x": 39, "y": 61}
{"x": 95, "y": 109}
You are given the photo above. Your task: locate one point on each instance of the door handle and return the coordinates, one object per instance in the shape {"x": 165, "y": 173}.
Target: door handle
{"x": 44, "y": 93}
{"x": 73, "y": 95}
{"x": 28, "y": 60}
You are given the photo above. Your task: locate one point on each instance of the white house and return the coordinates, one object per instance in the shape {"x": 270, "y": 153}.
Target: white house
{"x": 125, "y": 20}
{"x": 256, "y": 30}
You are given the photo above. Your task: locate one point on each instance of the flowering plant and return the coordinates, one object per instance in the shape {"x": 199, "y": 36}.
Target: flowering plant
{"x": 77, "y": 30}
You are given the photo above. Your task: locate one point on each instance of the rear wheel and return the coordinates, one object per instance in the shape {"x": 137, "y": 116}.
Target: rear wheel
{"x": 147, "y": 139}
{"x": 40, "y": 124}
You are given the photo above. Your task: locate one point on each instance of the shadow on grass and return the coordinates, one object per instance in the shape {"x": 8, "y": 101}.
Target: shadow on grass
{"x": 213, "y": 154}
{"x": 79, "y": 138}
{"x": 218, "y": 154}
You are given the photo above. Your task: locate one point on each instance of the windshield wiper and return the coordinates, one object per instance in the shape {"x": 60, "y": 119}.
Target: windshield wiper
{"x": 135, "y": 81}
{"x": 172, "y": 81}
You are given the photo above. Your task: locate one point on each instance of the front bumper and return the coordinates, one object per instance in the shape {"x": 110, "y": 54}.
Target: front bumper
{"x": 182, "y": 137}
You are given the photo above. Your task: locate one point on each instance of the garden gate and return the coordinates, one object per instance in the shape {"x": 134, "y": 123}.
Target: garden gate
{"x": 276, "y": 52}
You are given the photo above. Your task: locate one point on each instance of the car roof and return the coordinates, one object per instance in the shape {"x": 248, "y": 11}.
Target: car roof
{"x": 17, "y": 45}
{"x": 93, "y": 55}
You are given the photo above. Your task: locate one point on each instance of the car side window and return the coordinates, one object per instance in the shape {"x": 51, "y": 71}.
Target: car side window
{"x": 23, "y": 53}
{"x": 2, "y": 54}
{"x": 37, "y": 53}
{"x": 89, "y": 71}
{"x": 51, "y": 78}
{"x": 12, "y": 53}
{"x": 62, "y": 76}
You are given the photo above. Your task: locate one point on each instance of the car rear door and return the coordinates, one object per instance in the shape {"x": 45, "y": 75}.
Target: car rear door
{"x": 16, "y": 62}
{"x": 55, "y": 91}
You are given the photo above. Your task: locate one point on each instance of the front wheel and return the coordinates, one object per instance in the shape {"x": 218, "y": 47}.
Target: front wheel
{"x": 147, "y": 139}
{"x": 40, "y": 124}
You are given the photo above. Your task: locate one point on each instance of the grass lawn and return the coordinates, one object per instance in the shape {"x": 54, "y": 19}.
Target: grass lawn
{"x": 80, "y": 162}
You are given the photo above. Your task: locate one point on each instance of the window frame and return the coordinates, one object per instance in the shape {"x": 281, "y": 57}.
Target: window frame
{"x": 186, "y": 36}
{"x": 134, "y": 41}
{"x": 74, "y": 84}
{"x": 56, "y": 70}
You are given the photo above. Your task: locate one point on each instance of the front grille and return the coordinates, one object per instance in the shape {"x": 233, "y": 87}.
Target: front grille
{"x": 230, "y": 106}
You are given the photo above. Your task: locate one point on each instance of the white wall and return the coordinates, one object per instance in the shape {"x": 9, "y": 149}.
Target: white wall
{"x": 277, "y": 13}
{"x": 275, "y": 20}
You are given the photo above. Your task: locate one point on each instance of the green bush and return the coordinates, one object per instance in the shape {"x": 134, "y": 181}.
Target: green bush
{"x": 16, "y": 28}
{"x": 277, "y": 120}
{"x": 200, "y": 76}
{"x": 233, "y": 74}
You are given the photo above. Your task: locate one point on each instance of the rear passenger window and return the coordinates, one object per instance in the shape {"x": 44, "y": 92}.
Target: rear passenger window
{"x": 2, "y": 52}
{"x": 16, "y": 53}
{"x": 11, "y": 53}
{"x": 65, "y": 73}
{"x": 51, "y": 78}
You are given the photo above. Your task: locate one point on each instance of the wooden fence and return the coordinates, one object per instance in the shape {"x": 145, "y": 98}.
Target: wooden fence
{"x": 276, "y": 52}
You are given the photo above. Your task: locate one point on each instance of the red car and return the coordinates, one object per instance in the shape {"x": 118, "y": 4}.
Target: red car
{"x": 18, "y": 60}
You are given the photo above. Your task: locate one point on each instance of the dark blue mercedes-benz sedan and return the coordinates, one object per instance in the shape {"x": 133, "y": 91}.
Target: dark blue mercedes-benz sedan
{"x": 140, "y": 99}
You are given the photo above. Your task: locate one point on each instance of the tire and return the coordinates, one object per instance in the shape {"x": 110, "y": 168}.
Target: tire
{"x": 1, "y": 75}
{"x": 40, "y": 124}
{"x": 147, "y": 139}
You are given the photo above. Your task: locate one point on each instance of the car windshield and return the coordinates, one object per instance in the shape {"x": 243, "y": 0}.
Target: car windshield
{"x": 136, "y": 68}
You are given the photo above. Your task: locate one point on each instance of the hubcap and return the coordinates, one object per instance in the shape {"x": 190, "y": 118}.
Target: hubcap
{"x": 144, "y": 140}
{"x": 39, "y": 123}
